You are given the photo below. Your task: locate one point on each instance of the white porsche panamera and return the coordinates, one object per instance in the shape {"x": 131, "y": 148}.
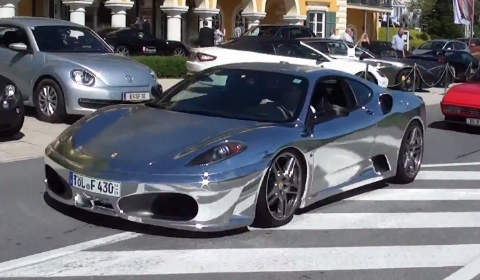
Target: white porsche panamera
{"x": 274, "y": 49}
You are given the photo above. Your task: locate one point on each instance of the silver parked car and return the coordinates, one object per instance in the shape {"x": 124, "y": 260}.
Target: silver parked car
{"x": 441, "y": 44}
{"x": 62, "y": 68}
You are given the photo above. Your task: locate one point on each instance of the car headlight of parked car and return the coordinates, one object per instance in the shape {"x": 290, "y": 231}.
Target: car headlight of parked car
{"x": 154, "y": 76}
{"x": 219, "y": 153}
{"x": 83, "y": 77}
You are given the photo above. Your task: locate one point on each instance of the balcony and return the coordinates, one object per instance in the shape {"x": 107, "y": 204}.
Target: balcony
{"x": 371, "y": 3}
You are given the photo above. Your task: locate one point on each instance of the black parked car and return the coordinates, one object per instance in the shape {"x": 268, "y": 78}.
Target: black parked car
{"x": 283, "y": 31}
{"x": 12, "y": 111}
{"x": 133, "y": 41}
{"x": 463, "y": 63}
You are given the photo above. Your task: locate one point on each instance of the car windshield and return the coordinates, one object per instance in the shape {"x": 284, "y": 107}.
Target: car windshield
{"x": 432, "y": 45}
{"x": 238, "y": 94}
{"x": 57, "y": 38}
{"x": 262, "y": 30}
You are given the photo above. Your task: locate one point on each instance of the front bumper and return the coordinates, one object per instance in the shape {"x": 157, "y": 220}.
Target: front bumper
{"x": 226, "y": 202}
{"x": 81, "y": 100}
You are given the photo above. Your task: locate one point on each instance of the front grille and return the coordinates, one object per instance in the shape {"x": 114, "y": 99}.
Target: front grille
{"x": 470, "y": 111}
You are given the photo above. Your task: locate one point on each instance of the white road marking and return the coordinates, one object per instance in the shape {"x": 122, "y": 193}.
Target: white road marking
{"x": 418, "y": 195}
{"x": 336, "y": 221}
{"x": 165, "y": 262}
{"x": 450, "y": 164}
{"x": 448, "y": 175}
{"x": 468, "y": 272}
{"x": 65, "y": 251}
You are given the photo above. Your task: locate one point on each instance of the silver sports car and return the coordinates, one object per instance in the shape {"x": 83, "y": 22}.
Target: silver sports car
{"x": 63, "y": 68}
{"x": 237, "y": 145}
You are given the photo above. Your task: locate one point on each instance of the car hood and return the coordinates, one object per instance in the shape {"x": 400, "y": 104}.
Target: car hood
{"x": 137, "y": 136}
{"x": 109, "y": 67}
{"x": 467, "y": 94}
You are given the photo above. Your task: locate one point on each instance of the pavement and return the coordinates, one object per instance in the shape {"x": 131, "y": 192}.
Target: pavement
{"x": 428, "y": 230}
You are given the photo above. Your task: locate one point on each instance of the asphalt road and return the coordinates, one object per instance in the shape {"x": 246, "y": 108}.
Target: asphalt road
{"x": 425, "y": 230}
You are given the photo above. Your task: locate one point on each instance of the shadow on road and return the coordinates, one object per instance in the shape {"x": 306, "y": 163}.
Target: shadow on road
{"x": 124, "y": 225}
{"x": 461, "y": 128}
{"x": 16, "y": 137}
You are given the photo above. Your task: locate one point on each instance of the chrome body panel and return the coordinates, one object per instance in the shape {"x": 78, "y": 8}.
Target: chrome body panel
{"x": 147, "y": 150}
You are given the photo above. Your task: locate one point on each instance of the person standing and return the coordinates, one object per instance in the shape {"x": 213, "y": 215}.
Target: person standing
{"x": 347, "y": 35}
{"x": 398, "y": 43}
{"x": 206, "y": 36}
{"x": 365, "y": 41}
{"x": 238, "y": 31}
{"x": 218, "y": 34}
{"x": 146, "y": 26}
{"x": 333, "y": 35}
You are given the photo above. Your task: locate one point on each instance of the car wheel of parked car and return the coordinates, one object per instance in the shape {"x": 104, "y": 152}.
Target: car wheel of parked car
{"x": 122, "y": 50}
{"x": 408, "y": 80}
{"x": 180, "y": 52}
{"x": 410, "y": 155}
{"x": 281, "y": 191}
{"x": 49, "y": 102}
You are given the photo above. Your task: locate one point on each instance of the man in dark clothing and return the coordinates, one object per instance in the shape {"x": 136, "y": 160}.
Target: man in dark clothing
{"x": 146, "y": 26}
{"x": 206, "y": 36}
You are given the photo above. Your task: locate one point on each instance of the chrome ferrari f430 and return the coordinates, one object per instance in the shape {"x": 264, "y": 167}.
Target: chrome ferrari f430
{"x": 237, "y": 145}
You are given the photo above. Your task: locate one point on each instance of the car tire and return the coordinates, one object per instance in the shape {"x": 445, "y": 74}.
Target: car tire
{"x": 411, "y": 151}
{"x": 276, "y": 186}
{"x": 180, "y": 51}
{"x": 369, "y": 77}
{"x": 9, "y": 133}
{"x": 122, "y": 50}
{"x": 47, "y": 109}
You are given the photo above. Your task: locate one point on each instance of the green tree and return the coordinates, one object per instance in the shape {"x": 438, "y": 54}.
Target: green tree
{"x": 439, "y": 21}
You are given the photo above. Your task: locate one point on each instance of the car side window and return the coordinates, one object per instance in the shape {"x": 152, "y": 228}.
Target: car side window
{"x": 305, "y": 32}
{"x": 363, "y": 94}
{"x": 331, "y": 91}
{"x": 297, "y": 51}
{"x": 11, "y": 34}
{"x": 295, "y": 32}
{"x": 449, "y": 46}
{"x": 265, "y": 48}
{"x": 337, "y": 48}
{"x": 283, "y": 33}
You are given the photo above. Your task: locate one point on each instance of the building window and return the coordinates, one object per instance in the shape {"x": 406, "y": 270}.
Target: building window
{"x": 217, "y": 19}
{"x": 316, "y": 22}
{"x": 240, "y": 19}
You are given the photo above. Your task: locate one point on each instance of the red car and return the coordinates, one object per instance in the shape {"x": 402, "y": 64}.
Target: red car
{"x": 461, "y": 103}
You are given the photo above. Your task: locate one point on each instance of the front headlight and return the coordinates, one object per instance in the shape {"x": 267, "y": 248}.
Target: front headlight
{"x": 451, "y": 109}
{"x": 219, "y": 153}
{"x": 83, "y": 77}
{"x": 154, "y": 76}
{"x": 9, "y": 91}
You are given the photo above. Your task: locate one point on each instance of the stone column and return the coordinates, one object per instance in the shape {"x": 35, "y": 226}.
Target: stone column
{"x": 341, "y": 23}
{"x": 119, "y": 11}
{"x": 253, "y": 18}
{"x": 174, "y": 21}
{"x": 205, "y": 14}
{"x": 77, "y": 10}
{"x": 7, "y": 8}
{"x": 294, "y": 20}
{"x": 93, "y": 10}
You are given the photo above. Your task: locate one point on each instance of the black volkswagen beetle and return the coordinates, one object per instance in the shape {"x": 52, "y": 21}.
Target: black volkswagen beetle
{"x": 12, "y": 111}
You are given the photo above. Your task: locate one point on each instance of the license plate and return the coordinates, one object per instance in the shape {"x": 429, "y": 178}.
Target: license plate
{"x": 136, "y": 96}
{"x": 149, "y": 50}
{"x": 475, "y": 122}
{"x": 95, "y": 185}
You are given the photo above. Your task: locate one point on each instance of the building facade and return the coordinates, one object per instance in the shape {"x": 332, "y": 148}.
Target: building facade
{"x": 180, "y": 19}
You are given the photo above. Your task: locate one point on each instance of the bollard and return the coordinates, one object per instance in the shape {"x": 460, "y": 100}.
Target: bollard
{"x": 366, "y": 71}
{"x": 414, "y": 88}
{"x": 446, "y": 72}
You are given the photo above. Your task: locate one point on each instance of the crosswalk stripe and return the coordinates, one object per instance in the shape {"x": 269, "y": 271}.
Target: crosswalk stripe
{"x": 448, "y": 175}
{"x": 332, "y": 221}
{"x": 418, "y": 195}
{"x": 167, "y": 262}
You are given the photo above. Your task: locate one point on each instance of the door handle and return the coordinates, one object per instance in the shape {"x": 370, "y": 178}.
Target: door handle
{"x": 368, "y": 111}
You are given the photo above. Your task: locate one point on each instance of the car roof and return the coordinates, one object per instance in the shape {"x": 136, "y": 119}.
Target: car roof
{"x": 304, "y": 71}
{"x": 28, "y": 22}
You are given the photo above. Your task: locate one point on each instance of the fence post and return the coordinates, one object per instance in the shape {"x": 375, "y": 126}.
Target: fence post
{"x": 446, "y": 71}
{"x": 414, "y": 88}
{"x": 366, "y": 71}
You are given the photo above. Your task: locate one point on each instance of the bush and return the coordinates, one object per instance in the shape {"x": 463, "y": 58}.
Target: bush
{"x": 165, "y": 66}
{"x": 417, "y": 38}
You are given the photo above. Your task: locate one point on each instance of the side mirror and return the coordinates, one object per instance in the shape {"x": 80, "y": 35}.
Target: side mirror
{"x": 18, "y": 47}
{"x": 386, "y": 103}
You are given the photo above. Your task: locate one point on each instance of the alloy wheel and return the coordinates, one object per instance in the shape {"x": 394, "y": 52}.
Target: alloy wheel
{"x": 122, "y": 51}
{"x": 284, "y": 186}
{"x": 413, "y": 153}
{"x": 179, "y": 52}
{"x": 48, "y": 100}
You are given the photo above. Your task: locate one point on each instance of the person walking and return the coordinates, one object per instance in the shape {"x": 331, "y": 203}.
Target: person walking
{"x": 398, "y": 43}
{"x": 333, "y": 35}
{"x": 347, "y": 35}
{"x": 146, "y": 26}
{"x": 218, "y": 34}
{"x": 238, "y": 31}
{"x": 206, "y": 36}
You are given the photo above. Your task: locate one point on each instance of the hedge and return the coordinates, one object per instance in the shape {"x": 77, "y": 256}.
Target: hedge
{"x": 417, "y": 38}
{"x": 165, "y": 66}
